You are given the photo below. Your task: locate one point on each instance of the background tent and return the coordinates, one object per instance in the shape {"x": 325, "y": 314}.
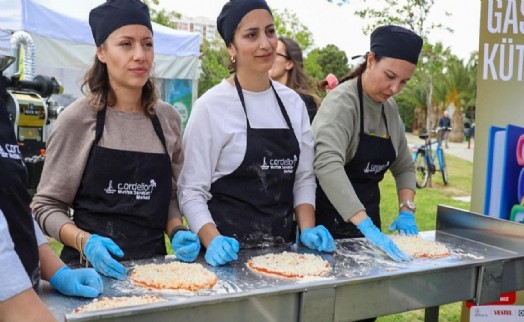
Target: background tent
{"x": 64, "y": 46}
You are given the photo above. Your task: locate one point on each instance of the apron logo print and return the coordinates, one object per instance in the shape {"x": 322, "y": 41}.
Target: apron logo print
{"x": 264, "y": 165}
{"x": 375, "y": 168}
{"x": 109, "y": 190}
{"x": 142, "y": 191}
{"x": 3, "y": 154}
{"x": 285, "y": 164}
{"x": 11, "y": 151}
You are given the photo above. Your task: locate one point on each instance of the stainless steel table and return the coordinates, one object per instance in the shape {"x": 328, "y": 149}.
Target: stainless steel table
{"x": 487, "y": 259}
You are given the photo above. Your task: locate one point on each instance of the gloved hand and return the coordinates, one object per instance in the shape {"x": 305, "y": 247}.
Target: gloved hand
{"x": 222, "y": 250}
{"x": 97, "y": 250}
{"x": 83, "y": 282}
{"x": 405, "y": 223}
{"x": 318, "y": 238}
{"x": 186, "y": 245}
{"x": 377, "y": 238}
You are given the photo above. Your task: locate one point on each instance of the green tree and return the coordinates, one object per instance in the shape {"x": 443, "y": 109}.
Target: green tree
{"x": 411, "y": 104}
{"x": 323, "y": 61}
{"x": 461, "y": 85}
{"x": 311, "y": 65}
{"x": 339, "y": 2}
{"x": 289, "y": 25}
{"x": 213, "y": 64}
{"x": 412, "y": 14}
{"x": 333, "y": 60}
{"x": 165, "y": 18}
{"x": 162, "y": 16}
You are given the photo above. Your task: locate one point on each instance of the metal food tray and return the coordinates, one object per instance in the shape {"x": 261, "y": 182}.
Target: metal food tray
{"x": 362, "y": 283}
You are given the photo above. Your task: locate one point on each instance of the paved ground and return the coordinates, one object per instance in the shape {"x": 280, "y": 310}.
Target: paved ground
{"x": 457, "y": 149}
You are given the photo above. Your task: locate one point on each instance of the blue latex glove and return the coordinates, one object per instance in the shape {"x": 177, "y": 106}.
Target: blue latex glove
{"x": 318, "y": 238}
{"x": 405, "y": 224}
{"x": 83, "y": 282}
{"x": 222, "y": 250}
{"x": 377, "y": 238}
{"x": 186, "y": 245}
{"x": 97, "y": 251}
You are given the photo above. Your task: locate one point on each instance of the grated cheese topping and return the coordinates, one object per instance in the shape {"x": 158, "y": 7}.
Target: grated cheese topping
{"x": 174, "y": 275}
{"x": 288, "y": 264}
{"x": 417, "y": 246}
{"x": 105, "y": 303}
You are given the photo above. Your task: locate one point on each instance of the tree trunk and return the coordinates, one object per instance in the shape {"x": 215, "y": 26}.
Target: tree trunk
{"x": 457, "y": 125}
{"x": 428, "y": 104}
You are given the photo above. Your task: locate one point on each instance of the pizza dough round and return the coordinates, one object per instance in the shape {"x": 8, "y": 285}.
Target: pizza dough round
{"x": 290, "y": 265}
{"x": 419, "y": 247}
{"x": 105, "y": 303}
{"x": 174, "y": 276}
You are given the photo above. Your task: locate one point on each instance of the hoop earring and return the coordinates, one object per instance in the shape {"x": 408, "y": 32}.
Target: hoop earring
{"x": 233, "y": 59}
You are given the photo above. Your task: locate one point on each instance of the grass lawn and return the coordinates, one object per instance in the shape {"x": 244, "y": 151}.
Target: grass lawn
{"x": 460, "y": 174}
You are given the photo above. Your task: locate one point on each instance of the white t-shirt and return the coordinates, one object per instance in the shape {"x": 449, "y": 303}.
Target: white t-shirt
{"x": 13, "y": 277}
{"x": 215, "y": 143}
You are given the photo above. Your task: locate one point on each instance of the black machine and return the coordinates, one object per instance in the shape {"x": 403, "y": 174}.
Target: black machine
{"x": 30, "y": 115}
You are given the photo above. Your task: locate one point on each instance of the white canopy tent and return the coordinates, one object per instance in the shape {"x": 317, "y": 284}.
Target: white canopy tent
{"x": 64, "y": 45}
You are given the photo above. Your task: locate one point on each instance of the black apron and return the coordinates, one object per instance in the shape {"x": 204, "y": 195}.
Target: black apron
{"x": 125, "y": 196}
{"x": 15, "y": 200}
{"x": 254, "y": 203}
{"x": 367, "y": 168}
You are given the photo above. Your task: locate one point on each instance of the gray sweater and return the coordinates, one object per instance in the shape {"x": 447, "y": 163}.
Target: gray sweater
{"x": 68, "y": 149}
{"x": 336, "y": 130}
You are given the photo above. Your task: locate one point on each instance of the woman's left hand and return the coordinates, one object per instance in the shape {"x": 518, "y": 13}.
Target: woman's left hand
{"x": 318, "y": 238}
{"x": 84, "y": 282}
{"x": 186, "y": 245}
{"x": 405, "y": 224}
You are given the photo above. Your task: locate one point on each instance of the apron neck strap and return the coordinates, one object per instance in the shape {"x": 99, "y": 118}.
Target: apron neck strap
{"x": 361, "y": 105}
{"x": 279, "y": 101}
{"x": 101, "y": 119}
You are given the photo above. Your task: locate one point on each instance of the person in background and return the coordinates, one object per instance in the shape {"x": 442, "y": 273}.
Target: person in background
{"x": 444, "y": 126}
{"x": 288, "y": 69}
{"x": 114, "y": 157}
{"x": 249, "y": 149}
{"x": 467, "y": 131}
{"x": 329, "y": 83}
{"x": 471, "y": 135}
{"x": 359, "y": 136}
{"x": 24, "y": 252}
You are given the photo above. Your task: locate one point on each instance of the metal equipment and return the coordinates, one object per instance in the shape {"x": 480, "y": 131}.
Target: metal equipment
{"x": 29, "y": 114}
{"x": 487, "y": 259}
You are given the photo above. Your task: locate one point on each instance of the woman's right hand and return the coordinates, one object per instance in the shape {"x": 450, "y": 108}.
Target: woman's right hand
{"x": 97, "y": 250}
{"x": 222, "y": 250}
{"x": 380, "y": 240}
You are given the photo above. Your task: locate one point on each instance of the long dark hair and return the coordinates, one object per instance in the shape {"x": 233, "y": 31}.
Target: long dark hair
{"x": 99, "y": 93}
{"x": 360, "y": 69}
{"x": 297, "y": 78}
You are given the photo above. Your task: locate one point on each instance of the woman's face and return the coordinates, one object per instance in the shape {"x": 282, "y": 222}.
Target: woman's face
{"x": 387, "y": 77}
{"x": 282, "y": 64}
{"x": 255, "y": 42}
{"x": 128, "y": 54}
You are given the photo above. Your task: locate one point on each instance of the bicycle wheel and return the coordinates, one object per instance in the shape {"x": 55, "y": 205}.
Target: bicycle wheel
{"x": 421, "y": 170}
{"x": 443, "y": 168}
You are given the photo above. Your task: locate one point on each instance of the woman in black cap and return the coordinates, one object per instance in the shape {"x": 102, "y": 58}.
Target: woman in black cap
{"x": 114, "y": 157}
{"x": 249, "y": 149}
{"x": 288, "y": 69}
{"x": 359, "y": 136}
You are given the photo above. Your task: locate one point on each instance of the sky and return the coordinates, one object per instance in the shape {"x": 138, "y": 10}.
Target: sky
{"x": 333, "y": 24}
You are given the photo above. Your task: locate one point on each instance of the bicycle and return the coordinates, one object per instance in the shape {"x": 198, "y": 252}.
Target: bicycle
{"x": 424, "y": 158}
